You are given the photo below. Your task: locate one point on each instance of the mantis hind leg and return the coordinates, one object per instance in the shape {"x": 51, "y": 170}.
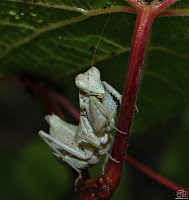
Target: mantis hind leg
{"x": 54, "y": 148}
{"x": 76, "y": 152}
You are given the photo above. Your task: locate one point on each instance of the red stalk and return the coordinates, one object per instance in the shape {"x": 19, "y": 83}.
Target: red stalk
{"x": 142, "y": 28}
{"x": 146, "y": 15}
{"x": 159, "y": 7}
{"x": 176, "y": 12}
{"x": 153, "y": 175}
{"x": 65, "y": 103}
{"x": 136, "y": 4}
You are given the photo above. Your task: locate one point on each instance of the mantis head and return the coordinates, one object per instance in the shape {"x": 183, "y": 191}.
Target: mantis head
{"x": 90, "y": 82}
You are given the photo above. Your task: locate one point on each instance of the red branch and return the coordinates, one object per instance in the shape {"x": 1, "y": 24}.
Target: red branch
{"x": 176, "y": 12}
{"x": 146, "y": 15}
{"x": 171, "y": 12}
{"x": 159, "y": 7}
{"x": 153, "y": 175}
{"x": 136, "y": 4}
{"x": 142, "y": 28}
{"x": 45, "y": 93}
{"x": 65, "y": 103}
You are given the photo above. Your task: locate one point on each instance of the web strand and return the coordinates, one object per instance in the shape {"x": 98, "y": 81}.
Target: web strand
{"x": 100, "y": 39}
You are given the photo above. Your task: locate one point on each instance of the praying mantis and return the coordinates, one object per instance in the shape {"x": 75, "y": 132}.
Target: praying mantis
{"x": 83, "y": 145}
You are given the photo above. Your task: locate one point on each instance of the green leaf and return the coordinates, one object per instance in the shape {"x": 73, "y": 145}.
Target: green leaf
{"x": 57, "y": 39}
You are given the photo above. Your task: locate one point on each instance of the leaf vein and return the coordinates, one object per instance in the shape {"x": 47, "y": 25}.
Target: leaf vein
{"x": 17, "y": 25}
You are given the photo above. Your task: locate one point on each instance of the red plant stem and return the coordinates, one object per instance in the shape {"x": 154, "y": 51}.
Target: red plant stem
{"x": 45, "y": 93}
{"x": 150, "y": 173}
{"x": 136, "y": 4}
{"x": 47, "y": 96}
{"x": 159, "y": 7}
{"x": 176, "y": 12}
{"x": 146, "y": 15}
{"x": 66, "y": 103}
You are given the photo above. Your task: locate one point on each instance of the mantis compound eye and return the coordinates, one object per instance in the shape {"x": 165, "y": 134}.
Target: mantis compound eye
{"x": 82, "y": 85}
{"x": 95, "y": 72}
{"x": 90, "y": 83}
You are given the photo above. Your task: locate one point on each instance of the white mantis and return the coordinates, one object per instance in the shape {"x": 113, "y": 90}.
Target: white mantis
{"x": 83, "y": 145}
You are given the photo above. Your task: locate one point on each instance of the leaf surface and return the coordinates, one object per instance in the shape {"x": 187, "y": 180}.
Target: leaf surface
{"x": 57, "y": 39}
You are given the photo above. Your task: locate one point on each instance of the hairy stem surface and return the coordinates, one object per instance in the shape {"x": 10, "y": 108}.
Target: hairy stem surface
{"x": 143, "y": 24}
{"x": 146, "y": 15}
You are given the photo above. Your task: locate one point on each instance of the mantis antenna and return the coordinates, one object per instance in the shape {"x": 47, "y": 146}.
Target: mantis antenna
{"x": 100, "y": 39}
